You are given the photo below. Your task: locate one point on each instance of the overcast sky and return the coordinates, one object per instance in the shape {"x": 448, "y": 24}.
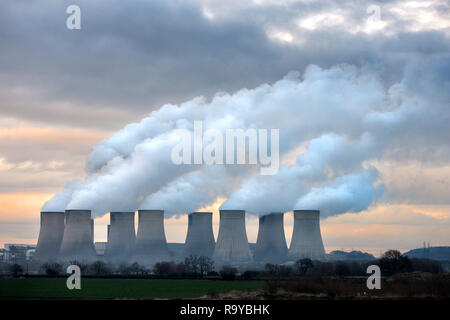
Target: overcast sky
{"x": 63, "y": 91}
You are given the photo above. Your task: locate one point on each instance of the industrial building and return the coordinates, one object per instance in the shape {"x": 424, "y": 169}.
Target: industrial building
{"x": 17, "y": 252}
{"x": 200, "y": 237}
{"x": 232, "y": 244}
{"x": 78, "y": 238}
{"x": 306, "y": 237}
{"x": 69, "y": 236}
{"x": 271, "y": 243}
{"x": 50, "y": 236}
{"x": 121, "y": 237}
{"x": 151, "y": 244}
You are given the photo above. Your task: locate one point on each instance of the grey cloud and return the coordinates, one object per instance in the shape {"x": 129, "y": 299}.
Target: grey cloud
{"x": 135, "y": 56}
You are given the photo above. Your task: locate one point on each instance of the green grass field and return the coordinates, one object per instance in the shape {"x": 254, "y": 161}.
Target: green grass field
{"x": 55, "y": 288}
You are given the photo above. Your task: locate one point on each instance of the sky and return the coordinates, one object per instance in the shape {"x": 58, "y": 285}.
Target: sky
{"x": 362, "y": 86}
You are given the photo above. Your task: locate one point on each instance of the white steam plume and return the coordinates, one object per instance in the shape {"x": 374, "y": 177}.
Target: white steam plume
{"x": 344, "y": 115}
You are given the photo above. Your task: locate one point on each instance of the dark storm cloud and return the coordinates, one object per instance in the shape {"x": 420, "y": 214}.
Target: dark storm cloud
{"x": 135, "y": 55}
{"x": 130, "y": 57}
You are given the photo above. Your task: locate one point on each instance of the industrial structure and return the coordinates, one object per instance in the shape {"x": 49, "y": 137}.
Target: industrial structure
{"x": 78, "y": 242}
{"x": 306, "y": 237}
{"x": 151, "y": 244}
{"x": 121, "y": 236}
{"x": 200, "y": 237}
{"x": 232, "y": 244}
{"x": 271, "y": 242}
{"x": 17, "y": 253}
{"x": 50, "y": 236}
{"x": 69, "y": 236}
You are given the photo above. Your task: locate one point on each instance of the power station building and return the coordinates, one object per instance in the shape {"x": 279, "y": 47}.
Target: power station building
{"x": 50, "y": 236}
{"x": 121, "y": 237}
{"x": 306, "y": 237}
{"x": 68, "y": 236}
{"x": 78, "y": 238}
{"x": 232, "y": 244}
{"x": 151, "y": 244}
{"x": 200, "y": 237}
{"x": 271, "y": 243}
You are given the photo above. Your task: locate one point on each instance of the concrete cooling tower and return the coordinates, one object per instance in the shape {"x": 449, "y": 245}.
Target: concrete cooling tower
{"x": 121, "y": 237}
{"x": 271, "y": 243}
{"x": 151, "y": 246}
{"x": 232, "y": 244}
{"x": 78, "y": 243}
{"x": 306, "y": 238}
{"x": 200, "y": 237}
{"x": 50, "y": 236}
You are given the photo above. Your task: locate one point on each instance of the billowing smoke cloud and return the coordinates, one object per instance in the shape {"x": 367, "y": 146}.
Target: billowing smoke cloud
{"x": 60, "y": 200}
{"x": 327, "y": 157}
{"x": 344, "y": 116}
{"x": 349, "y": 193}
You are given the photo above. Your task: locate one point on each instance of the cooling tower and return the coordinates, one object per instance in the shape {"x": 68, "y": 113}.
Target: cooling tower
{"x": 151, "y": 245}
{"x": 121, "y": 236}
{"x": 200, "y": 237}
{"x": 271, "y": 243}
{"x": 78, "y": 243}
{"x": 50, "y": 236}
{"x": 232, "y": 244}
{"x": 306, "y": 238}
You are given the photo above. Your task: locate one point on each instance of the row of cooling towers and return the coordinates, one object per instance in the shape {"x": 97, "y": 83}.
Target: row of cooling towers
{"x": 68, "y": 236}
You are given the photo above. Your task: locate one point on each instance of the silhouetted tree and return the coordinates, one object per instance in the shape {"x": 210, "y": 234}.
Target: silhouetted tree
{"x": 393, "y": 262}
{"x": 191, "y": 264}
{"x": 275, "y": 270}
{"x": 99, "y": 268}
{"x": 135, "y": 268}
{"x": 228, "y": 273}
{"x": 169, "y": 268}
{"x": 52, "y": 268}
{"x": 83, "y": 266}
{"x": 391, "y": 255}
{"x": 303, "y": 265}
{"x": 199, "y": 265}
{"x": 205, "y": 264}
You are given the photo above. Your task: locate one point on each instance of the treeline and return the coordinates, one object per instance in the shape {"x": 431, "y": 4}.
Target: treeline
{"x": 392, "y": 262}
{"x": 191, "y": 266}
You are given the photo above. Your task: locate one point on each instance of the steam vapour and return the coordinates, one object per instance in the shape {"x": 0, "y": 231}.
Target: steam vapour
{"x": 333, "y": 123}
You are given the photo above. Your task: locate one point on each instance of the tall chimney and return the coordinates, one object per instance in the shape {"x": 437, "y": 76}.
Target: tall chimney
{"x": 271, "y": 243}
{"x": 78, "y": 243}
{"x": 200, "y": 237}
{"x": 151, "y": 246}
{"x": 232, "y": 244}
{"x": 50, "y": 236}
{"x": 306, "y": 238}
{"x": 121, "y": 237}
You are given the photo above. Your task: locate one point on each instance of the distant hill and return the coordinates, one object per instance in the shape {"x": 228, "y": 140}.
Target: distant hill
{"x": 339, "y": 255}
{"x": 434, "y": 253}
